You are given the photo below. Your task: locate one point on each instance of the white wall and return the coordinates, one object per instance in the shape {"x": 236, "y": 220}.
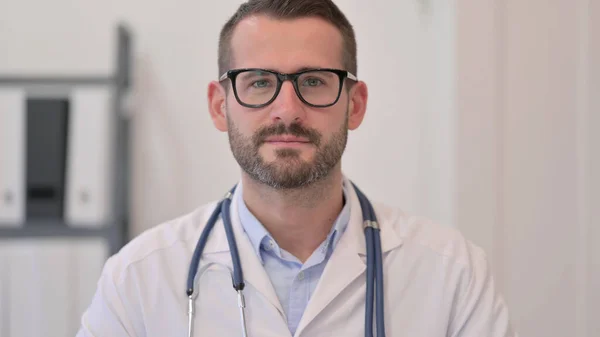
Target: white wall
{"x": 478, "y": 108}
{"x": 540, "y": 164}
{"x": 528, "y": 154}
{"x": 436, "y": 178}
{"x": 591, "y": 213}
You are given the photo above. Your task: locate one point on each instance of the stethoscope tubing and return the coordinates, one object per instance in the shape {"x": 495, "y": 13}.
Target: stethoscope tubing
{"x": 374, "y": 260}
{"x": 374, "y": 267}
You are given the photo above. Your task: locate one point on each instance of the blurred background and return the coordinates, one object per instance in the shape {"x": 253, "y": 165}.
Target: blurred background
{"x": 482, "y": 116}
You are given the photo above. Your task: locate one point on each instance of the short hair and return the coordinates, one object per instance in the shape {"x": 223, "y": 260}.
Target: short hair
{"x": 290, "y": 9}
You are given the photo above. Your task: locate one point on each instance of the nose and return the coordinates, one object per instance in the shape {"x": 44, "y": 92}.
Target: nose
{"x": 287, "y": 107}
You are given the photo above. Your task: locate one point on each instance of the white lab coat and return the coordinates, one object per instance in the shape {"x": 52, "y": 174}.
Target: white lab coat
{"x": 437, "y": 284}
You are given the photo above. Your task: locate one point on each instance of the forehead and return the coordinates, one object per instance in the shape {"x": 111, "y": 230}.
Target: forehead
{"x": 286, "y": 45}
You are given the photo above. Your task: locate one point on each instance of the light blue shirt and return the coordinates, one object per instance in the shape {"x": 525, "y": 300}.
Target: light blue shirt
{"x": 293, "y": 281}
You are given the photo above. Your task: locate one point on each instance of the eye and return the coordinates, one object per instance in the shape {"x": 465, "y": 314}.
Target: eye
{"x": 260, "y": 84}
{"x": 312, "y": 82}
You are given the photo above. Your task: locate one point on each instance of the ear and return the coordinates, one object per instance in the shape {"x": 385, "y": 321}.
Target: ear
{"x": 216, "y": 105}
{"x": 357, "y": 108}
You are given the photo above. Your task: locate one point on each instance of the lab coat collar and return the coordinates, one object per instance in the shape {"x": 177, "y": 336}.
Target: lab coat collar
{"x": 345, "y": 265}
{"x": 389, "y": 238}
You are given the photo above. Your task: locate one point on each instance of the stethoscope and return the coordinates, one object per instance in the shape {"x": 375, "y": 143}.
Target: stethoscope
{"x": 374, "y": 264}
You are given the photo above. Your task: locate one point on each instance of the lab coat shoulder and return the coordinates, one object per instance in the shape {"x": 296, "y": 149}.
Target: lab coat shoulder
{"x": 181, "y": 230}
{"x": 462, "y": 268}
{"x": 117, "y": 308}
{"x": 417, "y": 232}
{"x": 446, "y": 241}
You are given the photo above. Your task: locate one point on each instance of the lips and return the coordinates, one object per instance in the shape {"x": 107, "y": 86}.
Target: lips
{"x": 286, "y": 139}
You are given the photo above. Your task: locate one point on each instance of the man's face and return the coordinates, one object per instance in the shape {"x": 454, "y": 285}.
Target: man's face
{"x": 287, "y": 144}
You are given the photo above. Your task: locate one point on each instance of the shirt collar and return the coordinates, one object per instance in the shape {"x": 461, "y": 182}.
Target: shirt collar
{"x": 258, "y": 234}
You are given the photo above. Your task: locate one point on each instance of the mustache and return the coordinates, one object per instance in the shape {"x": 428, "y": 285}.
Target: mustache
{"x": 293, "y": 129}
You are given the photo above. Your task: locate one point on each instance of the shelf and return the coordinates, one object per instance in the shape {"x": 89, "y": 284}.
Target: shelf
{"x": 57, "y": 80}
{"x": 112, "y": 232}
{"x": 50, "y": 228}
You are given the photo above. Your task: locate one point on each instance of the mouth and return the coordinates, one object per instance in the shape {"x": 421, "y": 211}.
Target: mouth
{"x": 286, "y": 140}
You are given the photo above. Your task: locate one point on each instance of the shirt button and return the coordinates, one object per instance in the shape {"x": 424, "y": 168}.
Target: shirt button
{"x": 301, "y": 276}
{"x": 269, "y": 245}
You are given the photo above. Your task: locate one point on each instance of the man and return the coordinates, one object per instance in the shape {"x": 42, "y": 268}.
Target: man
{"x": 296, "y": 218}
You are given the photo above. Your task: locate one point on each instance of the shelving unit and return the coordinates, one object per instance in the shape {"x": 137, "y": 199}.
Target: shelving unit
{"x": 115, "y": 231}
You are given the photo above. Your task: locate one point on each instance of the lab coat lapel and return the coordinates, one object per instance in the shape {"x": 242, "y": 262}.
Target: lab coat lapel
{"x": 344, "y": 266}
{"x": 348, "y": 262}
{"x": 217, "y": 250}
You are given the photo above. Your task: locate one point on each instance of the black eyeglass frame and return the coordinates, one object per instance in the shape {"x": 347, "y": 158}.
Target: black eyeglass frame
{"x": 281, "y": 77}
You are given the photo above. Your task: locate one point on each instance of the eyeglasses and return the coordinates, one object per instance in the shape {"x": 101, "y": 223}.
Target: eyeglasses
{"x": 256, "y": 88}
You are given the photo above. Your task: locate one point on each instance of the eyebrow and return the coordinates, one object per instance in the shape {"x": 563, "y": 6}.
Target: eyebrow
{"x": 297, "y": 70}
{"x": 308, "y": 68}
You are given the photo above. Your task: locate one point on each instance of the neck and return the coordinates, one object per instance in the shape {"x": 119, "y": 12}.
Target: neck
{"x": 298, "y": 219}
